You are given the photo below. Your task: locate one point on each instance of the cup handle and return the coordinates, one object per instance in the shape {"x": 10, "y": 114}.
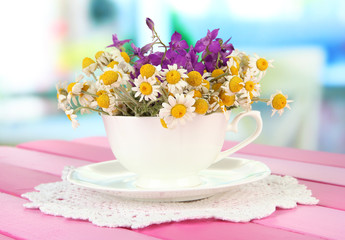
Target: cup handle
{"x": 233, "y": 127}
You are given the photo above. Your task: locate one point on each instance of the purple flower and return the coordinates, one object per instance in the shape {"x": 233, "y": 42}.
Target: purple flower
{"x": 176, "y": 42}
{"x": 150, "y": 24}
{"x": 204, "y": 42}
{"x": 141, "y": 51}
{"x": 117, "y": 43}
{"x": 192, "y": 61}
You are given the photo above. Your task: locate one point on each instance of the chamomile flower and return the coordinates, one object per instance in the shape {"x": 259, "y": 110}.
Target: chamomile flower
{"x": 234, "y": 84}
{"x": 148, "y": 70}
{"x": 234, "y": 61}
{"x": 201, "y": 106}
{"x": 86, "y": 99}
{"x": 173, "y": 77}
{"x": 259, "y": 65}
{"x": 113, "y": 77}
{"x": 216, "y": 104}
{"x": 245, "y": 101}
{"x": 178, "y": 110}
{"x": 229, "y": 100}
{"x": 72, "y": 117}
{"x": 61, "y": 95}
{"x": 74, "y": 89}
{"x": 146, "y": 88}
{"x": 194, "y": 79}
{"x": 278, "y": 101}
{"x": 251, "y": 85}
{"x": 103, "y": 58}
{"x": 105, "y": 101}
{"x": 89, "y": 66}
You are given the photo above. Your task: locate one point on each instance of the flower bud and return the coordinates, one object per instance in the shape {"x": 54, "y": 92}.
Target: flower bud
{"x": 150, "y": 24}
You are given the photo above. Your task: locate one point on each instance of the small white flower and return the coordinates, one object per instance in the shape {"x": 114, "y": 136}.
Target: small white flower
{"x": 174, "y": 78}
{"x": 72, "y": 117}
{"x": 259, "y": 65}
{"x": 61, "y": 95}
{"x": 146, "y": 88}
{"x": 278, "y": 101}
{"x": 178, "y": 110}
{"x": 244, "y": 101}
{"x": 251, "y": 84}
{"x": 113, "y": 77}
{"x": 104, "y": 59}
{"x": 216, "y": 104}
{"x": 89, "y": 66}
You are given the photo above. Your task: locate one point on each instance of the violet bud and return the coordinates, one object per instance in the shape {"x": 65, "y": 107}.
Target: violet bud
{"x": 150, "y": 24}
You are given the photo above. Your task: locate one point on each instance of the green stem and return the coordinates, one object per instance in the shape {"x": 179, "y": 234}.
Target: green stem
{"x": 124, "y": 91}
{"x": 96, "y": 110}
{"x": 91, "y": 94}
{"x": 220, "y": 76}
{"x": 254, "y": 99}
{"x": 164, "y": 95}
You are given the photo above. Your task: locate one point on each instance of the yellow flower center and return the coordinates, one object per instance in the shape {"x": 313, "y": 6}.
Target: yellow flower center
{"x": 112, "y": 64}
{"x": 206, "y": 84}
{"x": 145, "y": 88}
{"x": 279, "y": 101}
{"x": 201, "y": 106}
{"x": 147, "y": 70}
{"x": 173, "y": 77}
{"x": 98, "y": 54}
{"x": 233, "y": 70}
{"x": 178, "y": 111}
{"x": 249, "y": 86}
{"x": 197, "y": 94}
{"x": 57, "y": 95}
{"x": 217, "y": 72}
{"x": 87, "y": 62}
{"x": 262, "y": 64}
{"x": 125, "y": 57}
{"x": 109, "y": 77}
{"x": 103, "y": 101}
{"x": 100, "y": 92}
{"x": 163, "y": 123}
{"x": 227, "y": 100}
{"x": 235, "y": 84}
{"x": 70, "y": 86}
{"x": 194, "y": 78}
{"x": 216, "y": 86}
{"x": 69, "y": 117}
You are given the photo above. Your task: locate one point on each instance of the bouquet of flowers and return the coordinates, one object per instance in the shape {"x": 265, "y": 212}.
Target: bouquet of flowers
{"x": 174, "y": 81}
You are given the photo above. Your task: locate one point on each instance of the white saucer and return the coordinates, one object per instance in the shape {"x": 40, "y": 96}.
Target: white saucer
{"x": 112, "y": 178}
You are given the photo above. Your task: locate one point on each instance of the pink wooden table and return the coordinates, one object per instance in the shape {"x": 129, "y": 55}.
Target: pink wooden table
{"x": 29, "y": 164}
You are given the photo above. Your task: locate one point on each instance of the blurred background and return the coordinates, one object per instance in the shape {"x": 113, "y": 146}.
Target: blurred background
{"x": 43, "y": 42}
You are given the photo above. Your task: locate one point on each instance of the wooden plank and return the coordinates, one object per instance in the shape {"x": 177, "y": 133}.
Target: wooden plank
{"x": 16, "y": 180}
{"x": 70, "y": 149}
{"x": 38, "y": 161}
{"x": 216, "y": 229}
{"x": 4, "y": 237}
{"x": 308, "y": 171}
{"x": 315, "y": 220}
{"x": 32, "y": 224}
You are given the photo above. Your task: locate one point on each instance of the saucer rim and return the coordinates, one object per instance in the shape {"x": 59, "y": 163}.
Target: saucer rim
{"x": 136, "y": 189}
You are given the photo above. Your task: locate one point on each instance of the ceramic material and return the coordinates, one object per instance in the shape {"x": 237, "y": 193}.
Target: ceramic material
{"x": 111, "y": 177}
{"x": 164, "y": 158}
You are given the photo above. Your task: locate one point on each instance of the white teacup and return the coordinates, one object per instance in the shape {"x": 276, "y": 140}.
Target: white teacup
{"x": 172, "y": 158}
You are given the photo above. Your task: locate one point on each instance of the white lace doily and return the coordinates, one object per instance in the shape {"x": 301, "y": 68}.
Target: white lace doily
{"x": 241, "y": 204}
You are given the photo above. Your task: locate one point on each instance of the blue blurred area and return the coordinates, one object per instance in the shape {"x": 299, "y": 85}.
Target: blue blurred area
{"x": 47, "y": 43}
